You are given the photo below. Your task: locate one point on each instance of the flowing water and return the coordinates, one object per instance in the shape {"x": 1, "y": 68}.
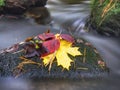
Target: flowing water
{"x": 73, "y": 18}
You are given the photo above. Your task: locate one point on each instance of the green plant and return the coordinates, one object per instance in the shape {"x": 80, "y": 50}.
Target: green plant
{"x": 102, "y": 11}
{"x": 2, "y": 3}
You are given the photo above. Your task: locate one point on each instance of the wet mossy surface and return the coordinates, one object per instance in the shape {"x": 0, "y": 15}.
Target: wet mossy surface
{"x": 84, "y": 66}
{"x": 105, "y": 17}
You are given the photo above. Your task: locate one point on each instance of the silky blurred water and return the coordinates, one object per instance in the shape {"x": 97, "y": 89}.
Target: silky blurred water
{"x": 72, "y": 16}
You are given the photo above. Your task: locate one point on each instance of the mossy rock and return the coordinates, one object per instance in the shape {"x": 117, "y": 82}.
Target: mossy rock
{"x": 84, "y": 66}
{"x": 105, "y": 17}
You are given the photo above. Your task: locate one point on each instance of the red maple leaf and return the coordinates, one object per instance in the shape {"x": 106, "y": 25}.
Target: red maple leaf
{"x": 51, "y": 43}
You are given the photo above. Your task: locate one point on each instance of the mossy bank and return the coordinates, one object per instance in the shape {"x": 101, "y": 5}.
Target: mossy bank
{"x": 105, "y": 17}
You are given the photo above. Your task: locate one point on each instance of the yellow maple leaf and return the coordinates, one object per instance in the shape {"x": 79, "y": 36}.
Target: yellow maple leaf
{"x": 62, "y": 55}
{"x": 48, "y": 60}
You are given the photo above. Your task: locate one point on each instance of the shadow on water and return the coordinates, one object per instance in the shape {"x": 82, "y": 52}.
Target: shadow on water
{"x": 13, "y": 31}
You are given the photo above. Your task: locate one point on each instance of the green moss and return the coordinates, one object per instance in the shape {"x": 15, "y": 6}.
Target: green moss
{"x": 105, "y": 17}
{"x": 98, "y": 11}
{"x": 90, "y": 56}
{"x": 2, "y": 3}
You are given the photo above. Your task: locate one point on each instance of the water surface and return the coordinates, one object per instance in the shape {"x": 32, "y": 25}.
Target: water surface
{"x": 14, "y": 31}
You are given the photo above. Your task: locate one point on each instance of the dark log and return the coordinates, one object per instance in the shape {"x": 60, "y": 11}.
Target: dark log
{"x": 17, "y": 7}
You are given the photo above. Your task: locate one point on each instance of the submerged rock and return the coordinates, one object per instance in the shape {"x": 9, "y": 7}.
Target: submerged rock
{"x": 40, "y": 15}
{"x": 90, "y": 64}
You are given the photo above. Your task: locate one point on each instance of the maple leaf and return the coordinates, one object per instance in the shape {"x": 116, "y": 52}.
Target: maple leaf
{"x": 48, "y": 60}
{"x": 49, "y": 47}
{"x": 62, "y": 54}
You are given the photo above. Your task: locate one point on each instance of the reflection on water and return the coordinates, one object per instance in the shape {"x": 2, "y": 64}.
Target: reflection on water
{"x": 14, "y": 31}
{"x": 39, "y": 15}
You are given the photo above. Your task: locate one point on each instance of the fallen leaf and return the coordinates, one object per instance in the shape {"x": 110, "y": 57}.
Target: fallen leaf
{"x": 51, "y": 46}
{"x": 62, "y": 55}
{"x": 67, "y": 37}
{"x": 46, "y": 36}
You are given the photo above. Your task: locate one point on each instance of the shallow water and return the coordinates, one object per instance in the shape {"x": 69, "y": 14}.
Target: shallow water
{"x": 14, "y": 31}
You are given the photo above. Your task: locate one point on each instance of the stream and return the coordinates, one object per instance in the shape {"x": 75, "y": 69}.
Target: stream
{"x": 72, "y": 18}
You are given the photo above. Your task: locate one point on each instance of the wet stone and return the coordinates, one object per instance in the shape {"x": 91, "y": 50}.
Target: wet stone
{"x": 85, "y": 66}
{"x": 18, "y": 7}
